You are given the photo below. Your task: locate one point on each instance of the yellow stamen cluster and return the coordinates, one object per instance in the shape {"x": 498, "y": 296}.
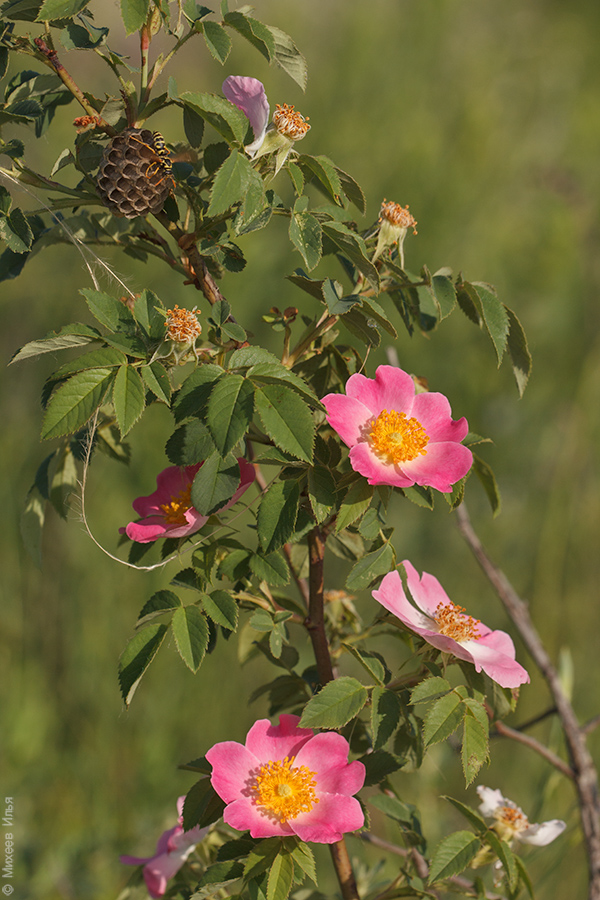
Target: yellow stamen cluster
{"x": 397, "y": 438}
{"x": 182, "y": 325}
{"x": 453, "y": 623}
{"x": 174, "y": 511}
{"x": 333, "y": 595}
{"x": 289, "y": 123}
{"x": 397, "y": 215}
{"x": 284, "y": 791}
{"x": 512, "y": 817}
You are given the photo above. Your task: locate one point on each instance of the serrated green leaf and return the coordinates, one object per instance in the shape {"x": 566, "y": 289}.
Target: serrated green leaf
{"x": 430, "y": 688}
{"x": 474, "y": 818}
{"x": 193, "y": 395}
{"x": 105, "y": 358}
{"x": 260, "y": 858}
{"x": 218, "y": 874}
{"x": 488, "y": 481}
{"x": 520, "y": 356}
{"x": 367, "y": 569}
{"x": 524, "y": 876}
{"x": 129, "y": 398}
{"x": 354, "y": 247}
{"x": 452, "y": 855}
{"x": 379, "y": 764}
{"x": 272, "y": 568}
{"x": 276, "y": 373}
{"x": 193, "y": 125}
{"x": 475, "y": 748}
{"x": 222, "y": 609}
{"x": 356, "y": 501}
{"x": 72, "y": 405}
{"x": 16, "y": 231}
{"x": 190, "y": 630}
{"x": 286, "y": 419}
{"x": 156, "y": 379}
{"x": 392, "y": 807}
{"x": 225, "y": 118}
{"x": 109, "y": 311}
{"x": 149, "y": 314}
{"x": 361, "y": 327}
{"x": 277, "y": 515}
{"x": 494, "y": 316}
{"x": 321, "y": 492}
{"x": 506, "y": 857}
{"x": 419, "y": 495}
{"x": 253, "y": 31}
{"x": 159, "y": 603}
{"x": 32, "y": 524}
{"x": 324, "y": 170}
{"x": 231, "y": 183}
{"x": 21, "y": 10}
{"x": 215, "y": 484}
{"x": 202, "y": 804}
{"x": 134, "y": 14}
{"x": 289, "y": 57}
{"x": 445, "y": 294}
{"x": 230, "y": 410}
{"x": 281, "y": 877}
{"x": 306, "y": 235}
{"x": 217, "y": 40}
{"x": 64, "y": 482}
{"x": 190, "y": 444}
{"x": 386, "y": 711}
{"x": 60, "y": 9}
{"x": 296, "y": 177}
{"x": 352, "y": 190}
{"x": 335, "y": 705}
{"x": 370, "y": 662}
{"x": 442, "y": 718}
{"x": 137, "y": 656}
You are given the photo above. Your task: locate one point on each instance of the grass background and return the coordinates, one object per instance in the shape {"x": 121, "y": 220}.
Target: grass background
{"x": 485, "y": 118}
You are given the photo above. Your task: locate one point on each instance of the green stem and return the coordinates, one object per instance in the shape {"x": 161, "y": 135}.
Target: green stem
{"x": 145, "y": 39}
{"x": 313, "y": 333}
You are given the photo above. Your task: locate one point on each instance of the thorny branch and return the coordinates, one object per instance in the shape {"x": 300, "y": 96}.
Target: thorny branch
{"x": 584, "y": 773}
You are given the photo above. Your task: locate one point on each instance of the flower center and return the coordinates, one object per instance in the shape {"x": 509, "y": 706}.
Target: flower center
{"x": 453, "y": 623}
{"x": 397, "y": 215}
{"x": 398, "y": 438}
{"x": 175, "y": 510}
{"x": 512, "y": 817}
{"x": 284, "y": 790}
{"x": 289, "y": 123}
{"x": 182, "y": 325}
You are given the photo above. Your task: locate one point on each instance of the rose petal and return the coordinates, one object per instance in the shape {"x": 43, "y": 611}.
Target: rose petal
{"x": 231, "y": 764}
{"x": 491, "y": 799}
{"x": 273, "y": 742}
{"x": 500, "y": 667}
{"x": 440, "y": 467}
{"x": 375, "y": 470}
{"x": 249, "y": 95}
{"x": 433, "y": 412}
{"x": 244, "y": 815}
{"x": 348, "y": 416}
{"x": 329, "y": 819}
{"x": 326, "y": 755}
{"x": 391, "y": 389}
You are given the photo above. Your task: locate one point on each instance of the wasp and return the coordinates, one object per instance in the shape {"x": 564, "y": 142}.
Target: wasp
{"x": 162, "y": 164}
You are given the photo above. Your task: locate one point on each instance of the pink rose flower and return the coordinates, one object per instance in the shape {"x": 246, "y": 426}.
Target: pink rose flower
{"x": 447, "y": 627}
{"x": 396, "y": 436}
{"x": 168, "y": 512}
{"x": 248, "y": 94}
{"x": 512, "y": 823}
{"x": 173, "y": 848}
{"x": 288, "y": 780}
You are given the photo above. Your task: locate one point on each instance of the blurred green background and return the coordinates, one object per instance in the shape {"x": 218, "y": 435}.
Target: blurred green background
{"x": 485, "y": 118}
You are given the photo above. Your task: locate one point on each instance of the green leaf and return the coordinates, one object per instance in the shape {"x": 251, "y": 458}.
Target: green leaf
{"x": 323, "y": 168}
{"x": 60, "y": 9}
{"x": 281, "y": 877}
{"x": 386, "y": 712}
{"x": 16, "y": 232}
{"x": 253, "y": 31}
{"x": 222, "y": 609}
{"x": 306, "y": 235}
{"x": 494, "y": 316}
{"x": 231, "y": 183}
{"x": 156, "y": 379}
{"x": 354, "y": 247}
{"x": 202, "y": 804}
{"x": 276, "y": 373}
{"x": 105, "y": 358}
{"x": 524, "y": 876}
{"x": 215, "y": 484}
{"x": 193, "y": 125}
{"x": 72, "y": 405}
{"x": 442, "y": 718}
{"x": 431, "y": 687}
{"x": 362, "y": 327}
{"x": 134, "y": 14}
{"x": 452, "y": 855}
{"x": 286, "y": 419}
{"x": 218, "y": 874}
{"x": 372, "y": 310}
{"x": 520, "y": 356}
{"x": 193, "y": 395}
{"x": 159, "y": 603}
{"x": 321, "y": 492}
{"x": 225, "y": 118}
{"x": 371, "y": 662}
{"x": 506, "y": 857}
{"x": 259, "y": 859}
{"x": 150, "y": 315}
{"x": 137, "y": 656}
{"x": 379, "y": 764}
{"x": 55, "y": 342}
{"x": 190, "y": 444}
{"x": 392, "y": 807}
{"x": 289, "y": 57}
{"x": 367, "y": 569}
{"x": 304, "y": 859}
{"x": 277, "y": 515}
{"x": 352, "y": 190}
{"x": 21, "y": 10}
{"x": 335, "y": 705}
{"x": 64, "y": 481}
{"x": 190, "y": 630}
{"x": 488, "y": 480}
{"x": 355, "y": 503}
{"x": 217, "y": 40}
{"x": 129, "y": 398}
{"x": 296, "y": 177}
{"x": 445, "y": 294}
{"x": 32, "y": 524}
{"x": 230, "y": 410}
{"x": 475, "y": 748}
{"x": 109, "y": 311}
{"x": 474, "y": 818}
{"x": 272, "y": 568}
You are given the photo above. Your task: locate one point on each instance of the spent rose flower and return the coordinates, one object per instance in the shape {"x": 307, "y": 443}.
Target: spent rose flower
{"x": 288, "y": 780}
{"x": 394, "y": 222}
{"x": 397, "y": 436}
{"x": 447, "y": 627}
{"x": 168, "y": 512}
{"x": 512, "y": 823}
{"x": 173, "y": 848}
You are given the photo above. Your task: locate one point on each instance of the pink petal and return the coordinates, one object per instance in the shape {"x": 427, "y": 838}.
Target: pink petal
{"x": 350, "y": 417}
{"x": 272, "y": 742}
{"x": 391, "y": 595}
{"x": 425, "y": 590}
{"x": 247, "y": 476}
{"x": 134, "y": 860}
{"x": 392, "y": 388}
{"x": 326, "y": 755}
{"x": 232, "y": 764}
{"x": 248, "y": 94}
{"x": 375, "y": 470}
{"x": 501, "y": 668}
{"x": 244, "y": 815}
{"x": 329, "y": 819}
{"x": 159, "y": 870}
{"x": 433, "y": 412}
{"x": 442, "y": 466}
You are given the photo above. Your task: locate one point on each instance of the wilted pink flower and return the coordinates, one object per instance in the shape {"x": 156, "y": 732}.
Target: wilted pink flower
{"x": 168, "y": 512}
{"x": 248, "y": 94}
{"x": 173, "y": 848}
{"x": 287, "y": 780}
{"x": 396, "y": 436}
{"x": 512, "y": 823}
{"x": 447, "y": 627}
